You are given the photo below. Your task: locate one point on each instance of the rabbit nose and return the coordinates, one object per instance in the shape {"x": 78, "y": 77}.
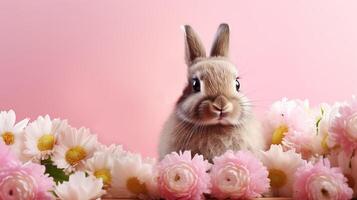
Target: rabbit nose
{"x": 221, "y": 104}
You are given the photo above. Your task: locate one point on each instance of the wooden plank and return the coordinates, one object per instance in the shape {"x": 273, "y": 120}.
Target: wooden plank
{"x": 276, "y": 198}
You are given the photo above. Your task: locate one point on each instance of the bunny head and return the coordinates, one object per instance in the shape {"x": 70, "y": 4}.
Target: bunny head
{"x": 212, "y": 95}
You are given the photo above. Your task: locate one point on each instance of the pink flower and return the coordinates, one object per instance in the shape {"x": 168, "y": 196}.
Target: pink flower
{"x": 238, "y": 176}
{"x": 343, "y": 129}
{"x": 25, "y": 182}
{"x": 7, "y": 159}
{"x": 320, "y": 181}
{"x": 348, "y": 165}
{"x": 182, "y": 177}
{"x": 300, "y": 141}
{"x": 290, "y": 123}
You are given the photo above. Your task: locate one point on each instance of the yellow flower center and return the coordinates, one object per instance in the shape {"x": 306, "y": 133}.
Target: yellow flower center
{"x": 277, "y": 178}
{"x": 75, "y": 154}
{"x": 105, "y": 175}
{"x": 8, "y": 137}
{"x": 324, "y": 143}
{"x": 279, "y": 134}
{"x": 46, "y": 142}
{"x": 134, "y": 186}
{"x": 325, "y": 147}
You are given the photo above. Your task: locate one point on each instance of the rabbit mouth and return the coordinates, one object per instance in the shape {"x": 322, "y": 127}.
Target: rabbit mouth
{"x": 210, "y": 112}
{"x": 222, "y": 115}
{"x": 222, "y": 119}
{"x": 218, "y": 114}
{"x": 219, "y": 118}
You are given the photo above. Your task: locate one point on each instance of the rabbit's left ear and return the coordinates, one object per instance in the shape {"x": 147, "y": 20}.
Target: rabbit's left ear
{"x": 220, "y": 45}
{"x": 194, "y": 47}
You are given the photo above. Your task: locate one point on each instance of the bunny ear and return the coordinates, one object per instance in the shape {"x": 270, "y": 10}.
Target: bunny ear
{"x": 194, "y": 47}
{"x": 220, "y": 45}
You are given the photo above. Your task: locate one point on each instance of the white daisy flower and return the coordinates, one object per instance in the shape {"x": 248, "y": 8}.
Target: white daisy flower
{"x": 134, "y": 177}
{"x": 281, "y": 166}
{"x": 101, "y": 166}
{"x": 102, "y": 162}
{"x": 41, "y": 135}
{"x": 11, "y": 133}
{"x": 287, "y": 120}
{"x": 80, "y": 187}
{"x": 114, "y": 149}
{"x": 321, "y": 143}
{"x": 73, "y": 148}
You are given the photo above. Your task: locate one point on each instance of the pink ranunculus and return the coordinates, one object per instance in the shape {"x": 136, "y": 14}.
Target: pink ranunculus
{"x": 182, "y": 177}
{"x": 343, "y": 129}
{"x": 7, "y": 159}
{"x": 25, "y": 182}
{"x": 238, "y": 175}
{"x": 320, "y": 181}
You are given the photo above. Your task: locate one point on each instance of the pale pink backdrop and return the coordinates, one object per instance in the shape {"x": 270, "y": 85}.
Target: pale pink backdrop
{"x": 117, "y": 66}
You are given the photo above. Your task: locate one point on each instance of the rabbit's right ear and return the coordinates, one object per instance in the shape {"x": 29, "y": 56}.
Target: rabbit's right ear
{"x": 220, "y": 45}
{"x": 193, "y": 45}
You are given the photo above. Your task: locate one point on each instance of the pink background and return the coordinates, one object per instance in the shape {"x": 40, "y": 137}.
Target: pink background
{"x": 117, "y": 67}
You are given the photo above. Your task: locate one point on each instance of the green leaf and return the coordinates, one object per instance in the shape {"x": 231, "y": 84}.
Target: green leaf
{"x": 57, "y": 174}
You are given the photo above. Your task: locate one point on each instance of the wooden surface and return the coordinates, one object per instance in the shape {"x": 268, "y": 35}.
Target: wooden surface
{"x": 278, "y": 198}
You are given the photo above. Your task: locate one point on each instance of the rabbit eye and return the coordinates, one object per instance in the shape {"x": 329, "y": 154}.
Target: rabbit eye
{"x": 196, "y": 85}
{"x": 237, "y": 85}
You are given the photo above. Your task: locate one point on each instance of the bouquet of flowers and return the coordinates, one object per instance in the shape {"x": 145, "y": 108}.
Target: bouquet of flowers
{"x": 311, "y": 155}
{"x": 49, "y": 159}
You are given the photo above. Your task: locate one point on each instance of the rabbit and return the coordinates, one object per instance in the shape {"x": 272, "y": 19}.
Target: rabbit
{"x": 212, "y": 115}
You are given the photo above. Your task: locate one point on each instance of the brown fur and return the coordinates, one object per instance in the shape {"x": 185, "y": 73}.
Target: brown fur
{"x": 193, "y": 45}
{"x": 210, "y": 141}
{"x": 218, "y": 117}
{"x": 220, "y": 46}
